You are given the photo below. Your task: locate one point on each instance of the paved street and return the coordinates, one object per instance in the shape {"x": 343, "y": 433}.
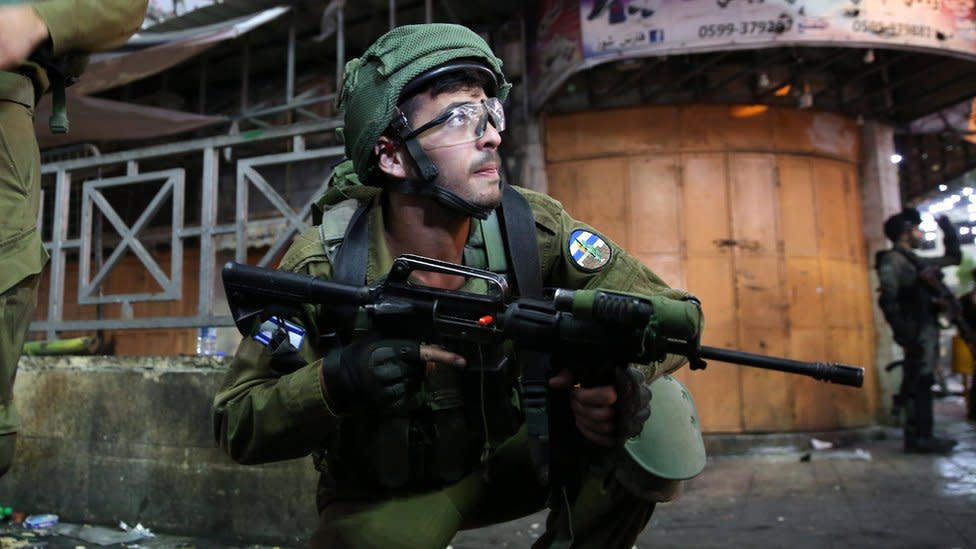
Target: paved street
{"x": 865, "y": 495}
{"x": 861, "y": 495}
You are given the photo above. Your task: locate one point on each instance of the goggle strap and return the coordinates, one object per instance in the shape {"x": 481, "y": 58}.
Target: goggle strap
{"x": 427, "y": 168}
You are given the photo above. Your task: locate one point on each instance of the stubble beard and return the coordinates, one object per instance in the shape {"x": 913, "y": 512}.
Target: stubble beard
{"x": 485, "y": 194}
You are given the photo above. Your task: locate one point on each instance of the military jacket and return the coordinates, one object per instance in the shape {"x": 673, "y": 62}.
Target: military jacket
{"x": 264, "y": 412}
{"x": 77, "y": 27}
{"x": 905, "y": 300}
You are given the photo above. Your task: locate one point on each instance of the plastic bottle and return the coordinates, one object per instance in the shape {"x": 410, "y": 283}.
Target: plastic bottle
{"x": 40, "y": 521}
{"x": 207, "y": 341}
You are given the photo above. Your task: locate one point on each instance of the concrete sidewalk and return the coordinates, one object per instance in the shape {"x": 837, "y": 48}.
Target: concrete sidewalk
{"x": 860, "y": 493}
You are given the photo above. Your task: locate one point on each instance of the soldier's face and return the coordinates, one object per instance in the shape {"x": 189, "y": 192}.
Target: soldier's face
{"x": 469, "y": 169}
{"x": 915, "y": 237}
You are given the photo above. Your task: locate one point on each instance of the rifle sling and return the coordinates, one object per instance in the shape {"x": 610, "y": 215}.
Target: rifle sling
{"x": 551, "y": 458}
{"x": 518, "y": 226}
{"x": 349, "y": 265}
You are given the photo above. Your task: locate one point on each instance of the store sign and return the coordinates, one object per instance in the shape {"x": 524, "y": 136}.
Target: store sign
{"x": 615, "y": 29}
{"x": 612, "y": 27}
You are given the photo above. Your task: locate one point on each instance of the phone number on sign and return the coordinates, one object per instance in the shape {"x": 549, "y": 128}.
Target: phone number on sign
{"x": 718, "y": 30}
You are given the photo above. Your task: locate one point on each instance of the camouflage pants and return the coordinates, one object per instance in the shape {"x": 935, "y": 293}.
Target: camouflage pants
{"x": 605, "y": 515}
{"x": 16, "y": 311}
{"x": 918, "y": 374}
{"x": 21, "y": 255}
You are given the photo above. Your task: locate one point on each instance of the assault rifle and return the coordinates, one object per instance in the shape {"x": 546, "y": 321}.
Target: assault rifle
{"x": 615, "y": 326}
{"x": 589, "y": 331}
{"x": 952, "y": 310}
{"x": 948, "y": 304}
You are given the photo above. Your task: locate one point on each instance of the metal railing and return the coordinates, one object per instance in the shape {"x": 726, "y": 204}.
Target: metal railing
{"x": 170, "y": 186}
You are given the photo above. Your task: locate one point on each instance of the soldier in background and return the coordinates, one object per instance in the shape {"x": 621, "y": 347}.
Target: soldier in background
{"x": 908, "y": 300}
{"x": 43, "y": 46}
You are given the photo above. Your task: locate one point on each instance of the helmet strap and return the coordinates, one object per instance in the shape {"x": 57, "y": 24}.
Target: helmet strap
{"x": 428, "y": 173}
{"x": 443, "y": 196}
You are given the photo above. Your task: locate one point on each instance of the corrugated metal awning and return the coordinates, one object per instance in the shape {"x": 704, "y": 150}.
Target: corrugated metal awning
{"x": 96, "y": 120}
{"x": 148, "y": 53}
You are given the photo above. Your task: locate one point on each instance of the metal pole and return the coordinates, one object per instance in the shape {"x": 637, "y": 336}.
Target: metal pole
{"x": 392, "y": 14}
{"x": 340, "y": 43}
{"x": 429, "y": 11}
{"x": 290, "y": 77}
{"x": 245, "y": 72}
{"x": 208, "y": 219}
{"x": 62, "y": 203}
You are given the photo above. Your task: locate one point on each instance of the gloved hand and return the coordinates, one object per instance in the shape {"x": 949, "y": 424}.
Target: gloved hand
{"x": 633, "y": 402}
{"x": 378, "y": 374}
{"x": 371, "y": 374}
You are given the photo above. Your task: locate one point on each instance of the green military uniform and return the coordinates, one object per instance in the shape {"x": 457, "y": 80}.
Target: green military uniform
{"x": 267, "y": 411}
{"x": 910, "y": 309}
{"x": 908, "y": 300}
{"x": 75, "y": 27}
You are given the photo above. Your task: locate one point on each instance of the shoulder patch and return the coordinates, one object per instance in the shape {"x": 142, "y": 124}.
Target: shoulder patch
{"x": 589, "y": 251}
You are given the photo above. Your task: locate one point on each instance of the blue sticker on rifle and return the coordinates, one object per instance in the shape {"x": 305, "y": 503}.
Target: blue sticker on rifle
{"x": 589, "y": 252}
{"x": 296, "y": 334}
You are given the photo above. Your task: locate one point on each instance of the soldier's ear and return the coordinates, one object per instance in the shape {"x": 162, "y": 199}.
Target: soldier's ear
{"x": 389, "y": 157}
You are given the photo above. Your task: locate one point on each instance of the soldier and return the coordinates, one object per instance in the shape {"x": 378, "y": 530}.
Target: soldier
{"x": 409, "y": 455}
{"x": 909, "y": 306}
{"x": 41, "y": 44}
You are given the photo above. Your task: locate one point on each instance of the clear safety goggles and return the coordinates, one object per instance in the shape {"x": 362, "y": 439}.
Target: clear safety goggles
{"x": 461, "y": 124}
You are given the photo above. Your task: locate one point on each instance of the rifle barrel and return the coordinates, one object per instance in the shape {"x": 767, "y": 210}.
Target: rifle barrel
{"x": 824, "y": 371}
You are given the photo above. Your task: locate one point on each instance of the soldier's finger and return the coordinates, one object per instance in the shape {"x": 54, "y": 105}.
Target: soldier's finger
{"x": 593, "y": 413}
{"x": 563, "y": 380}
{"x": 439, "y": 355}
{"x": 596, "y": 425}
{"x": 604, "y": 395}
{"x": 592, "y": 436}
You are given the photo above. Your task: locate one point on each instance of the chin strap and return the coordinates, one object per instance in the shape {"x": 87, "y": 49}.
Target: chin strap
{"x": 443, "y": 196}
{"x": 428, "y": 171}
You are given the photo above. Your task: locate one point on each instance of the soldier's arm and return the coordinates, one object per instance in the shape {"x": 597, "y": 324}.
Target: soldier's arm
{"x": 90, "y": 25}
{"x": 272, "y": 407}
{"x": 950, "y": 242}
{"x": 622, "y": 271}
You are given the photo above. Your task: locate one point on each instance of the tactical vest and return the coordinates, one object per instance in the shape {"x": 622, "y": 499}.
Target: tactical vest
{"x": 422, "y": 451}
{"x": 459, "y": 416}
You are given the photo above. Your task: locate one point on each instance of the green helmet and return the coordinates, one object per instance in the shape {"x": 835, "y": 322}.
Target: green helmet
{"x": 669, "y": 449}
{"x": 374, "y": 84}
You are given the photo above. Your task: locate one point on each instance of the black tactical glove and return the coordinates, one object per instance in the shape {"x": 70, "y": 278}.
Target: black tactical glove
{"x": 371, "y": 374}
{"x": 633, "y": 402}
